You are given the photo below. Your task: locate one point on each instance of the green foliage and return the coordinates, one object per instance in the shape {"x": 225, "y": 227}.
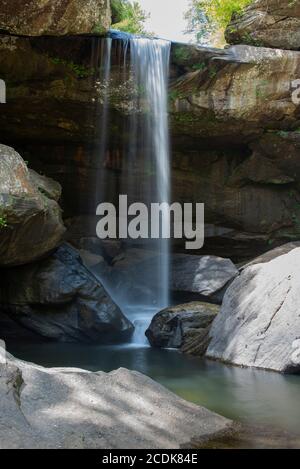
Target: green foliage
{"x": 182, "y": 54}
{"x": 212, "y": 72}
{"x": 79, "y": 70}
{"x": 3, "y": 221}
{"x": 206, "y": 17}
{"x": 99, "y": 29}
{"x": 174, "y": 95}
{"x": 128, "y": 16}
{"x": 221, "y": 11}
{"x": 199, "y": 67}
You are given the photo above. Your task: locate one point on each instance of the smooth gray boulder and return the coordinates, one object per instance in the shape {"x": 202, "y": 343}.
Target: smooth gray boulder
{"x": 259, "y": 322}
{"x": 192, "y": 277}
{"x": 30, "y": 218}
{"x": 204, "y": 276}
{"x": 59, "y": 299}
{"x": 71, "y": 408}
{"x": 183, "y": 326}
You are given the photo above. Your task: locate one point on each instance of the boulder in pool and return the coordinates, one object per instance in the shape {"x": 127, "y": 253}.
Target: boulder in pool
{"x": 259, "y": 322}
{"x": 184, "y": 326}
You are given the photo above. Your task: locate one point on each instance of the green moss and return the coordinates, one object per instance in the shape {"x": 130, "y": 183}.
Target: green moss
{"x": 99, "y": 29}
{"x": 79, "y": 70}
{"x": 212, "y": 72}
{"x": 261, "y": 90}
{"x": 199, "y": 67}
{"x": 248, "y": 39}
{"x": 174, "y": 95}
{"x": 186, "y": 117}
{"x": 282, "y": 133}
{"x": 182, "y": 54}
{"x": 3, "y": 222}
{"x": 208, "y": 119}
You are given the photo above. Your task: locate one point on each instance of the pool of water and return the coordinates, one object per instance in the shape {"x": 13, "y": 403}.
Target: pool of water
{"x": 246, "y": 395}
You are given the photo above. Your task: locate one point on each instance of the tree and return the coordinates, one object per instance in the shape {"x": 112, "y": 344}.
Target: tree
{"x": 128, "y": 16}
{"x": 208, "y": 18}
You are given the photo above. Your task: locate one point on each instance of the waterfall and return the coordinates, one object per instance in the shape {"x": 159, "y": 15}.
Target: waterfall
{"x": 150, "y": 64}
{"x": 145, "y": 165}
{"x": 104, "y": 80}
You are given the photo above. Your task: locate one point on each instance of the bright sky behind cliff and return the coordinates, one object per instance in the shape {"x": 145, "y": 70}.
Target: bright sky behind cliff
{"x": 167, "y": 18}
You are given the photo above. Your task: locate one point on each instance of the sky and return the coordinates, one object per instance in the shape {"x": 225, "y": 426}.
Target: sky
{"x": 167, "y": 18}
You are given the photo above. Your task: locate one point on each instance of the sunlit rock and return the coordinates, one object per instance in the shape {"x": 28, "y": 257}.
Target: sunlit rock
{"x": 71, "y": 408}
{"x": 55, "y": 17}
{"x": 269, "y": 23}
{"x": 259, "y": 322}
{"x": 31, "y": 224}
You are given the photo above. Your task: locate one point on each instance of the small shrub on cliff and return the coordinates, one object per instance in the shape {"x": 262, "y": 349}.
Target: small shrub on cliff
{"x": 3, "y": 222}
{"x": 79, "y": 70}
{"x": 207, "y": 19}
{"x": 128, "y": 16}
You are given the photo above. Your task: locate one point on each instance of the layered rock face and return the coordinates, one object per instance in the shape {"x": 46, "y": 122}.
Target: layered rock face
{"x": 259, "y": 322}
{"x": 55, "y": 17}
{"x": 59, "y": 299}
{"x": 31, "y": 223}
{"x": 224, "y": 106}
{"x": 269, "y": 23}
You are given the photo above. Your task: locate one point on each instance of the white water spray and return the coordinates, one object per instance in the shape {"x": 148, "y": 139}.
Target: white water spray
{"x": 145, "y": 167}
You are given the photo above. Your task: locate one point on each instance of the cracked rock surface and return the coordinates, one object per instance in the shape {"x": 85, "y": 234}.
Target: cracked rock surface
{"x": 55, "y": 17}
{"x": 259, "y": 323}
{"x": 269, "y": 23}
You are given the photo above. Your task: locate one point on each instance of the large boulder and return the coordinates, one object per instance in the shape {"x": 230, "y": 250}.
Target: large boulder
{"x": 31, "y": 224}
{"x": 55, "y": 17}
{"x": 184, "y": 326}
{"x": 59, "y": 299}
{"x": 193, "y": 277}
{"x": 201, "y": 276}
{"x": 269, "y": 23}
{"x": 259, "y": 323}
{"x": 71, "y": 408}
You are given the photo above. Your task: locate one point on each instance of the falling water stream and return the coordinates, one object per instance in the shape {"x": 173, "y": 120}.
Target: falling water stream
{"x": 145, "y": 167}
{"x": 150, "y": 63}
{"x": 150, "y": 67}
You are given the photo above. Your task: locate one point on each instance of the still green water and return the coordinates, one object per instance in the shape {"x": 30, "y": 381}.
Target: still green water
{"x": 246, "y": 395}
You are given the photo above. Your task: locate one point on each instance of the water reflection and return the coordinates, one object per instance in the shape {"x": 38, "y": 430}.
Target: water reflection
{"x": 251, "y": 396}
